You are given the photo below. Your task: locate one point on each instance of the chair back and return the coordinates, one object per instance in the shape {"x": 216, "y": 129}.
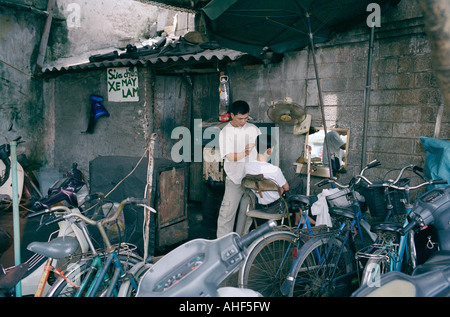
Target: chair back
{"x": 259, "y": 184}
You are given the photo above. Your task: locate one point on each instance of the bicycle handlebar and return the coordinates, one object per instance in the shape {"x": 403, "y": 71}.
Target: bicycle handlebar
{"x": 354, "y": 180}
{"x": 48, "y": 210}
{"x": 390, "y": 184}
{"x": 70, "y": 214}
{"x": 111, "y": 218}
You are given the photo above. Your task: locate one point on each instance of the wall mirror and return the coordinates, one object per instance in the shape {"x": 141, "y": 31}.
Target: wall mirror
{"x": 338, "y": 144}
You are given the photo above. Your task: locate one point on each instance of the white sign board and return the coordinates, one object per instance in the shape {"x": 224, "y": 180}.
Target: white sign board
{"x": 123, "y": 84}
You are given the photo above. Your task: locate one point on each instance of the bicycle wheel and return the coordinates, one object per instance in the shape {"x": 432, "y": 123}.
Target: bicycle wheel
{"x": 325, "y": 268}
{"x": 136, "y": 272}
{"x": 377, "y": 265}
{"x": 78, "y": 272}
{"x": 268, "y": 263}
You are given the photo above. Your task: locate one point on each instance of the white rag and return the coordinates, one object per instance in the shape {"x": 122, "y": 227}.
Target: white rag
{"x": 320, "y": 207}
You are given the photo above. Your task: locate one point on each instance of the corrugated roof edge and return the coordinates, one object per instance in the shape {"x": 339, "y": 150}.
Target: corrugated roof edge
{"x": 206, "y": 55}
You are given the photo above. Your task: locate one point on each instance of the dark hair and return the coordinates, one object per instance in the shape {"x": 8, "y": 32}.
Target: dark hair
{"x": 264, "y": 142}
{"x": 240, "y": 107}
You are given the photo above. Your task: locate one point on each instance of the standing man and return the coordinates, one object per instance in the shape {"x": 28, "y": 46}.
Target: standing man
{"x": 237, "y": 146}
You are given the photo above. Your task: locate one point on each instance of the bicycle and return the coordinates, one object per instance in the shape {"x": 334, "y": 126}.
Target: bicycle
{"x": 394, "y": 249}
{"x": 53, "y": 255}
{"x": 325, "y": 264}
{"x": 59, "y": 251}
{"x": 432, "y": 277}
{"x": 271, "y": 257}
{"x": 102, "y": 272}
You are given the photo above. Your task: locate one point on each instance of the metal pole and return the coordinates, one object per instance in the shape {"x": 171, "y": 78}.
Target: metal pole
{"x": 367, "y": 97}
{"x": 16, "y": 218}
{"x": 319, "y": 88}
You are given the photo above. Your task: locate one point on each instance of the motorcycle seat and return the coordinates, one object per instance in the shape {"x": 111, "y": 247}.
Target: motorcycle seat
{"x": 438, "y": 260}
{"x": 58, "y": 248}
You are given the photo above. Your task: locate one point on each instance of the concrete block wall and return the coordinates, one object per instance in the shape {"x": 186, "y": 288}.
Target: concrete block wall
{"x": 404, "y": 96}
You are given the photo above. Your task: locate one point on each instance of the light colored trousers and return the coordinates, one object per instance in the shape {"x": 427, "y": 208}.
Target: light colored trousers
{"x": 227, "y": 215}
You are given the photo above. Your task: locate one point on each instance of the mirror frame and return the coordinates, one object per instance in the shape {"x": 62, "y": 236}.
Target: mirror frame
{"x": 322, "y": 170}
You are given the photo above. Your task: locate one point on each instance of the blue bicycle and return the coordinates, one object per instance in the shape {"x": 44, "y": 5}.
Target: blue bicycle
{"x": 274, "y": 256}
{"x": 325, "y": 265}
{"x": 394, "y": 249}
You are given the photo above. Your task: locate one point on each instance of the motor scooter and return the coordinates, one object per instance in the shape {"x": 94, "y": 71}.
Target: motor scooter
{"x": 432, "y": 278}
{"x": 5, "y": 174}
{"x": 199, "y": 267}
{"x": 69, "y": 191}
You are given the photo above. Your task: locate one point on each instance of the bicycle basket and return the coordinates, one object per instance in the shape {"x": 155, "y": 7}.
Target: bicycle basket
{"x": 342, "y": 198}
{"x": 376, "y": 200}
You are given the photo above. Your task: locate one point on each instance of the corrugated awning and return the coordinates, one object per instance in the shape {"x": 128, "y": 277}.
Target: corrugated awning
{"x": 207, "y": 55}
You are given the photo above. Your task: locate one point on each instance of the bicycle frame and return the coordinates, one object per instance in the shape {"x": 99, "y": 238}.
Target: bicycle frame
{"x": 344, "y": 231}
{"x": 36, "y": 281}
{"x": 396, "y": 258}
{"x": 93, "y": 283}
{"x": 344, "y": 235}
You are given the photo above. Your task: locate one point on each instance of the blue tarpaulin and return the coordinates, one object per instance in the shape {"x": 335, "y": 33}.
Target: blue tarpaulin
{"x": 437, "y": 159}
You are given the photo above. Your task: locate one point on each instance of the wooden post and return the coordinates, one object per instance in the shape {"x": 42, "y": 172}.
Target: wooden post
{"x": 44, "y": 38}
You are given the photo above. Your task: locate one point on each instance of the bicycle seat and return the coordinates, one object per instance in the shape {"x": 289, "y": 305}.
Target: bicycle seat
{"x": 307, "y": 200}
{"x": 349, "y": 212}
{"x": 58, "y": 248}
{"x": 386, "y": 226}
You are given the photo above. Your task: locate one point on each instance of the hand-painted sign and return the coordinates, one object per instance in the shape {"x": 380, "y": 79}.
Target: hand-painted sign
{"x": 122, "y": 84}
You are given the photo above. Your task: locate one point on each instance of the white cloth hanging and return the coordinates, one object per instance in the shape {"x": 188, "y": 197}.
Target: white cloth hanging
{"x": 320, "y": 207}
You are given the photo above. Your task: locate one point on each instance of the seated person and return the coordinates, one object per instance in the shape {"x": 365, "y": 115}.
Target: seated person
{"x": 270, "y": 200}
{"x": 337, "y": 151}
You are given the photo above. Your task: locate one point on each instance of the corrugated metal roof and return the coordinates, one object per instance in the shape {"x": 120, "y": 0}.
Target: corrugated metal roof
{"x": 208, "y": 55}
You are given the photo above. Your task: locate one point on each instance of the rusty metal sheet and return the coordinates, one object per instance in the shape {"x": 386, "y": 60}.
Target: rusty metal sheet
{"x": 172, "y": 196}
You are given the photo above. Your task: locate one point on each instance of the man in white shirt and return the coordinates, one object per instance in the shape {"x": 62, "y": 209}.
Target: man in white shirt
{"x": 237, "y": 146}
{"x": 270, "y": 200}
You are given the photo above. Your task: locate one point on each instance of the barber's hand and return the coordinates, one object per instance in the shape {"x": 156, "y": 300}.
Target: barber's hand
{"x": 248, "y": 148}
